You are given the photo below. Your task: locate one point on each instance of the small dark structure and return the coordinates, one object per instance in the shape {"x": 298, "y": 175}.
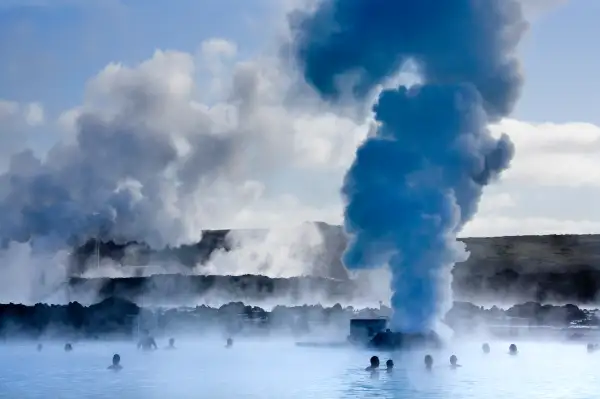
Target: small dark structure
{"x": 362, "y": 331}
{"x": 389, "y": 340}
{"x": 374, "y": 333}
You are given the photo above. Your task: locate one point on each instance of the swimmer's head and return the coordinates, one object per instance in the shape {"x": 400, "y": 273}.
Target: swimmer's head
{"x": 428, "y": 361}
{"x": 39, "y": 347}
{"x": 68, "y": 347}
{"x": 229, "y": 341}
{"x": 116, "y": 359}
{"x": 512, "y": 349}
{"x": 591, "y": 347}
{"x": 374, "y": 361}
{"x": 485, "y": 348}
{"x": 389, "y": 364}
{"x": 171, "y": 341}
{"x": 453, "y": 360}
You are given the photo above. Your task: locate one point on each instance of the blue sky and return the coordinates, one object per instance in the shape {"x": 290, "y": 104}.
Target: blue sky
{"x": 49, "y": 50}
{"x": 562, "y": 65}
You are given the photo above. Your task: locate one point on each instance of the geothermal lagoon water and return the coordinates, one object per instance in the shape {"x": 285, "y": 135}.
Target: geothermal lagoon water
{"x": 278, "y": 370}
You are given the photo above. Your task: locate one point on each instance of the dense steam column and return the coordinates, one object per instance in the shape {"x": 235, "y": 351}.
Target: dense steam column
{"x": 417, "y": 181}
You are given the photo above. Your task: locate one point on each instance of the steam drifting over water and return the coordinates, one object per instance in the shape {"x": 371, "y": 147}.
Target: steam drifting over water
{"x": 419, "y": 176}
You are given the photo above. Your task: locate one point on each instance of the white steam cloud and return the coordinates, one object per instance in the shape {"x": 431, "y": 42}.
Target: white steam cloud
{"x": 147, "y": 161}
{"x": 159, "y": 151}
{"x": 279, "y": 252}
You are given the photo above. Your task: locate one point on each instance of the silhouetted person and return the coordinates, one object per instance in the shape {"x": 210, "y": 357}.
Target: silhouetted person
{"x": 116, "y": 363}
{"x": 229, "y": 343}
{"x": 485, "y": 348}
{"x": 428, "y": 362}
{"x": 389, "y": 365}
{"x": 171, "y": 343}
{"x": 592, "y": 347}
{"x": 39, "y": 347}
{"x": 454, "y": 362}
{"x": 147, "y": 342}
{"x": 68, "y": 347}
{"x": 512, "y": 349}
{"x": 374, "y": 364}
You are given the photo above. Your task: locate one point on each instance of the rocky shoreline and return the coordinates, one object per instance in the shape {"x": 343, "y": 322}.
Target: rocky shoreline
{"x": 118, "y": 317}
{"x": 186, "y": 289}
{"x": 561, "y": 268}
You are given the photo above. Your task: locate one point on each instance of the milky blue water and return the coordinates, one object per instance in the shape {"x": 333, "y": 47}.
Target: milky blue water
{"x": 254, "y": 369}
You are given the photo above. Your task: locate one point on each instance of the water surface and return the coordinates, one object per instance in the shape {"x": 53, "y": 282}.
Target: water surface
{"x": 278, "y": 370}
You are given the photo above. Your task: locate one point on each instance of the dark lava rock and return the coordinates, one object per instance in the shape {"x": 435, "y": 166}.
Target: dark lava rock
{"x": 389, "y": 340}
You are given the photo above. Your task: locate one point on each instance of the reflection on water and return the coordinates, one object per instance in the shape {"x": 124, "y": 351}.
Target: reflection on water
{"x": 281, "y": 370}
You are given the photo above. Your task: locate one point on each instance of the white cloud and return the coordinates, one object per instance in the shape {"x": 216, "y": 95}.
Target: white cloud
{"x": 16, "y": 113}
{"x": 16, "y": 121}
{"x": 218, "y": 48}
{"x": 541, "y": 5}
{"x": 8, "y": 109}
{"x": 551, "y": 185}
{"x": 554, "y": 155}
{"x": 67, "y": 125}
{"x": 34, "y": 114}
{"x": 497, "y": 202}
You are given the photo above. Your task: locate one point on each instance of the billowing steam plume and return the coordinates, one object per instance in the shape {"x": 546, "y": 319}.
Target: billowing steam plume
{"x": 145, "y": 161}
{"x": 418, "y": 178}
{"x": 155, "y": 153}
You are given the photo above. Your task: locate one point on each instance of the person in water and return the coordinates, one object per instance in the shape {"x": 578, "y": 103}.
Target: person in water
{"x": 374, "y": 361}
{"x": 68, "y": 347}
{"x": 512, "y": 349}
{"x": 389, "y": 365}
{"x": 171, "y": 343}
{"x": 428, "y": 362}
{"x": 454, "y": 362}
{"x": 374, "y": 367}
{"x": 147, "y": 342}
{"x": 39, "y": 347}
{"x": 229, "y": 343}
{"x": 485, "y": 348}
{"x": 116, "y": 363}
